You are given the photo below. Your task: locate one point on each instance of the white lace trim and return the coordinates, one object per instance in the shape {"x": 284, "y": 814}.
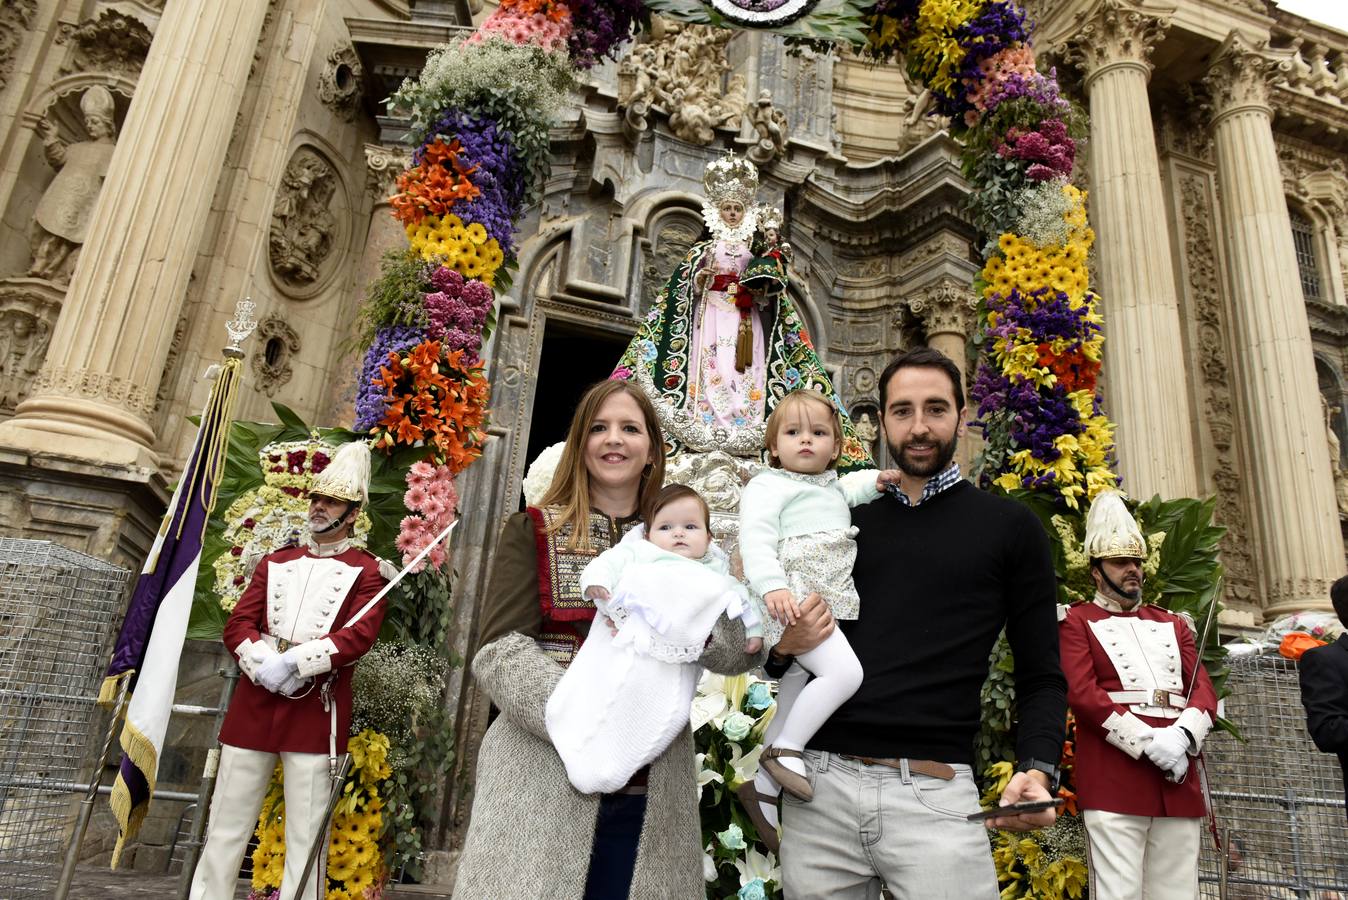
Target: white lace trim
{"x": 742, "y": 233}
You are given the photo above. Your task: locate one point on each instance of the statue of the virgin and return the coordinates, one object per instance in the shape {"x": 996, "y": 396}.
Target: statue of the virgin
{"x": 717, "y": 353}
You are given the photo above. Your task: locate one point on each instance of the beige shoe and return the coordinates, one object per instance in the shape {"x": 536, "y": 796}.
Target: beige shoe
{"x": 797, "y": 786}
{"x": 750, "y": 798}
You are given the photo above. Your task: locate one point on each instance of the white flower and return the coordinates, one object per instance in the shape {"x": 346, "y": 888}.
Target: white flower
{"x": 711, "y": 703}
{"x": 744, "y": 765}
{"x": 709, "y": 872}
{"x": 758, "y": 865}
{"x": 736, "y": 726}
{"x": 705, "y": 776}
{"x": 539, "y": 477}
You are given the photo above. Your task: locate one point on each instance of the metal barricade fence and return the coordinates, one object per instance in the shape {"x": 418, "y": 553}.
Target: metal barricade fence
{"x": 1276, "y": 795}
{"x": 57, "y": 612}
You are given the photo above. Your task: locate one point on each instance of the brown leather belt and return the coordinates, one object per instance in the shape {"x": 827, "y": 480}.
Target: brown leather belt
{"x": 920, "y": 766}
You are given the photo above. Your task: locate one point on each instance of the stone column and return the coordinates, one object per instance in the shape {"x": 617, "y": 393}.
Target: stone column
{"x": 1296, "y": 522}
{"x": 947, "y": 311}
{"x": 95, "y": 395}
{"x": 1146, "y": 393}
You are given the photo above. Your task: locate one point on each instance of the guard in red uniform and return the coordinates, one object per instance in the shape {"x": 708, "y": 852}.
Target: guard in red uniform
{"x": 290, "y": 637}
{"x": 1141, "y": 715}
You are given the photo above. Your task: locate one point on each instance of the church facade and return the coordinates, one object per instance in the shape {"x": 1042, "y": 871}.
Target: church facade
{"x": 156, "y": 168}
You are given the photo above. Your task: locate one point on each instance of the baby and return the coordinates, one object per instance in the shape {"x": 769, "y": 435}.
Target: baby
{"x": 628, "y": 691}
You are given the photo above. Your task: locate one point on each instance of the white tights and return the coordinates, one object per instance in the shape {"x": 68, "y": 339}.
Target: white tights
{"x": 804, "y": 705}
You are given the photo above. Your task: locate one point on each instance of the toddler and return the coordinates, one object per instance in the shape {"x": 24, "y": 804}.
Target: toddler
{"x": 796, "y": 538}
{"x": 628, "y": 692}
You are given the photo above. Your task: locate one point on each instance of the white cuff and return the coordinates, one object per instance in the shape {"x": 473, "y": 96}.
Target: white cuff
{"x": 1198, "y": 724}
{"x": 1127, "y": 733}
{"x": 252, "y": 654}
{"x": 314, "y": 657}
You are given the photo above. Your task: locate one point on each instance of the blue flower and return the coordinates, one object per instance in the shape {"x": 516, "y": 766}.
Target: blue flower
{"x": 647, "y": 349}
{"x": 737, "y": 726}
{"x": 732, "y": 838}
{"x": 792, "y": 378}
{"x": 754, "y": 890}
{"x": 759, "y": 696}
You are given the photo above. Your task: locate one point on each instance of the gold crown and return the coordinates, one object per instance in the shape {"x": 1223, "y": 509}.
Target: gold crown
{"x": 1111, "y": 531}
{"x": 730, "y": 178}
{"x": 769, "y": 217}
{"x": 347, "y": 477}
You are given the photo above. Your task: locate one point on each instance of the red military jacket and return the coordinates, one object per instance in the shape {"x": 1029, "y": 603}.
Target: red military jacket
{"x": 304, "y": 599}
{"x": 1142, "y": 651}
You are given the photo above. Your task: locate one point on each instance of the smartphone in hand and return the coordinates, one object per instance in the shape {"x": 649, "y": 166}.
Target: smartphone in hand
{"x": 1013, "y": 809}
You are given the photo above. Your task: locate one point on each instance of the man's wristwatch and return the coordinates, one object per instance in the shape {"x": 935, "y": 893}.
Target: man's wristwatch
{"x": 1049, "y": 769}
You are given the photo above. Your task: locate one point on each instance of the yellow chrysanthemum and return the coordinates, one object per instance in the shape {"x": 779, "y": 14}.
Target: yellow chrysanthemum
{"x": 476, "y": 233}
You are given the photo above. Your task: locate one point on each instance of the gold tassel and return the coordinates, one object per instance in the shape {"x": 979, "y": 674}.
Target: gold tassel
{"x": 744, "y": 345}
{"x": 210, "y": 467}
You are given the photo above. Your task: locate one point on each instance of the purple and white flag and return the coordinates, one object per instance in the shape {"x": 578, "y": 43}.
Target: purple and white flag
{"x": 150, "y": 644}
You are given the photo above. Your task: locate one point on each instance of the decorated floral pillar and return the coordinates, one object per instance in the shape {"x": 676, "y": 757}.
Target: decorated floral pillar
{"x": 947, "y": 310}
{"x": 95, "y": 395}
{"x": 1297, "y": 522}
{"x": 1146, "y": 393}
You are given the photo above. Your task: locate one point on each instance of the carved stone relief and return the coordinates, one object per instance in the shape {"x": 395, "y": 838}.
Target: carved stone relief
{"x": 275, "y": 346}
{"x": 683, "y": 72}
{"x": 1203, "y": 277}
{"x": 1114, "y": 31}
{"x": 673, "y": 236}
{"x": 382, "y": 167}
{"x": 61, "y": 221}
{"x": 339, "y": 85}
{"x": 946, "y": 307}
{"x": 28, "y": 311}
{"x": 770, "y": 124}
{"x": 304, "y": 230}
{"x": 164, "y": 393}
{"x": 114, "y": 42}
{"x": 15, "y": 18}
{"x": 1241, "y": 75}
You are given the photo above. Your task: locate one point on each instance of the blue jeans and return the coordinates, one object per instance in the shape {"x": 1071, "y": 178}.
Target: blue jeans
{"x": 617, "y": 834}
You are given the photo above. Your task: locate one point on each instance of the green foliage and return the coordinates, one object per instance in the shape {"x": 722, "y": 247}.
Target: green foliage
{"x": 411, "y": 791}
{"x": 392, "y": 298}
{"x": 995, "y": 739}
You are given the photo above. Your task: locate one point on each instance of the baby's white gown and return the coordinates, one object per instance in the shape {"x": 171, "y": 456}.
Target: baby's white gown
{"x": 625, "y": 697}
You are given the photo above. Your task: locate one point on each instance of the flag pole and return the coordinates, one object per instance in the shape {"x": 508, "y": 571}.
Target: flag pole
{"x": 87, "y": 804}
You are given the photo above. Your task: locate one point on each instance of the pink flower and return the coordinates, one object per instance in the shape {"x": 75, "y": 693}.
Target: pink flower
{"x": 420, "y": 473}
{"x": 415, "y": 498}
{"x": 437, "y": 557}
{"x": 432, "y": 508}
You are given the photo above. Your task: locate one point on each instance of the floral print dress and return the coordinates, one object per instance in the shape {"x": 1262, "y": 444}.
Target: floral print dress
{"x": 717, "y": 392}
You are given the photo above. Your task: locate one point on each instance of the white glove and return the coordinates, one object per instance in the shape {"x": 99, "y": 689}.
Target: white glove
{"x": 291, "y": 684}
{"x": 274, "y": 673}
{"x": 1168, "y": 748}
{"x": 1176, "y": 775}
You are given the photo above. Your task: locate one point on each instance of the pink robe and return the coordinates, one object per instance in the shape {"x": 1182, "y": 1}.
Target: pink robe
{"x": 720, "y": 394}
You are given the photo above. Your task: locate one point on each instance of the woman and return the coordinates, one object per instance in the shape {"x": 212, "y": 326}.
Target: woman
{"x": 532, "y": 834}
{"x": 716, "y": 348}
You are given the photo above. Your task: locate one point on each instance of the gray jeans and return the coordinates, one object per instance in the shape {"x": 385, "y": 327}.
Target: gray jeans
{"x": 874, "y": 826}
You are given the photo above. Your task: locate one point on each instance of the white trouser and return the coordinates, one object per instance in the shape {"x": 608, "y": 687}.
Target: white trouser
{"x": 239, "y": 790}
{"x": 1142, "y": 857}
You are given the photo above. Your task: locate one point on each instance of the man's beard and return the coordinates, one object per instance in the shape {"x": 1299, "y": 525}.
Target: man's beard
{"x": 945, "y": 452}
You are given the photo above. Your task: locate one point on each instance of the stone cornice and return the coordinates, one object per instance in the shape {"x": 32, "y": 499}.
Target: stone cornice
{"x": 1112, "y": 34}
{"x": 1327, "y": 319}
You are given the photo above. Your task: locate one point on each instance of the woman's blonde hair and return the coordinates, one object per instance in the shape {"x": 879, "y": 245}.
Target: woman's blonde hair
{"x": 806, "y": 397}
{"x": 570, "y": 489}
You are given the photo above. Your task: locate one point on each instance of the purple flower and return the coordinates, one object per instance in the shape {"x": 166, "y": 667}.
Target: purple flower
{"x": 370, "y": 403}
{"x": 600, "y": 27}
{"x": 499, "y": 176}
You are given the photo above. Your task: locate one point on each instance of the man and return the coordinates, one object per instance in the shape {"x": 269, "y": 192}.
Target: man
{"x": 1143, "y": 708}
{"x": 289, "y": 635}
{"x": 941, "y": 569}
{"x": 1324, "y": 686}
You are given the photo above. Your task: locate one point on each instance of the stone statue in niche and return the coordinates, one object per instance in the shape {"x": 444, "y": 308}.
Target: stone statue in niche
{"x": 302, "y": 226}
{"x": 770, "y": 123}
{"x": 23, "y": 346}
{"x": 63, "y": 213}
{"x": 1335, "y": 458}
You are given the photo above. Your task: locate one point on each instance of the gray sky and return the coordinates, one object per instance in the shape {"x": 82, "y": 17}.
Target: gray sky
{"x": 1331, "y": 12}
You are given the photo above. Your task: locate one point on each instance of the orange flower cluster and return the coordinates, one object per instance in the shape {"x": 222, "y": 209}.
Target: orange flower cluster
{"x": 435, "y": 400}
{"x": 1075, "y": 370}
{"x": 431, "y": 188}
{"x": 551, "y": 9}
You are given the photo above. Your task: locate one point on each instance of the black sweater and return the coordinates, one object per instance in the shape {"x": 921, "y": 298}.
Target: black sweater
{"x": 938, "y": 582}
